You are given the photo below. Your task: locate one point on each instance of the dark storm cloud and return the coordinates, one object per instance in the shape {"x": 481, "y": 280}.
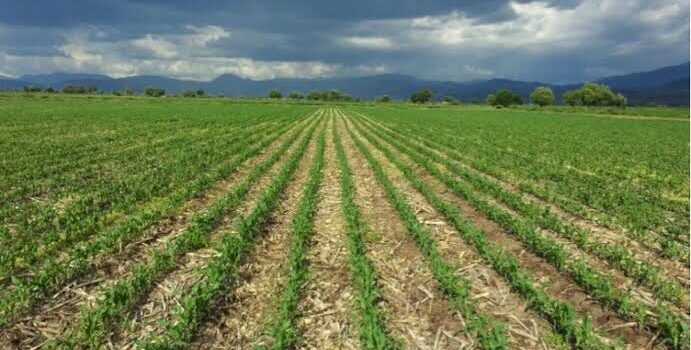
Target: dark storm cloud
{"x": 553, "y": 41}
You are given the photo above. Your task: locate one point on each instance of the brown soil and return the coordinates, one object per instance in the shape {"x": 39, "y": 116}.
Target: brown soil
{"x": 326, "y": 306}
{"x": 415, "y": 310}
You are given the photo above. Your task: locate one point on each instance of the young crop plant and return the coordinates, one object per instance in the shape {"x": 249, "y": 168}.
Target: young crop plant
{"x": 233, "y": 249}
{"x": 85, "y": 217}
{"x": 578, "y": 332}
{"x": 49, "y": 276}
{"x": 372, "y": 333}
{"x": 491, "y": 334}
{"x": 573, "y": 190}
{"x": 95, "y": 321}
{"x": 282, "y": 329}
{"x": 673, "y": 329}
{"x": 643, "y": 272}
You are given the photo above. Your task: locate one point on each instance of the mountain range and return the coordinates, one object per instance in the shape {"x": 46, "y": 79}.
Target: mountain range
{"x": 668, "y": 85}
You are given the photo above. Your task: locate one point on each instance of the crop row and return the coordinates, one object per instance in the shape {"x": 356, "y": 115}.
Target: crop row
{"x": 50, "y": 275}
{"x": 673, "y": 329}
{"x": 490, "y": 333}
{"x": 85, "y": 187}
{"x": 282, "y": 328}
{"x": 87, "y": 217}
{"x": 77, "y": 174}
{"x": 233, "y": 250}
{"x": 30, "y": 248}
{"x": 572, "y": 328}
{"x": 90, "y": 193}
{"x": 664, "y": 247}
{"x": 371, "y": 329}
{"x": 642, "y": 272}
{"x": 491, "y": 146}
{"x": 95, "y": 321}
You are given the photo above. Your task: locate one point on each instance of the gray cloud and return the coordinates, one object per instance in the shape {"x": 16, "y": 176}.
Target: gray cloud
{"x": 555, "y": 41}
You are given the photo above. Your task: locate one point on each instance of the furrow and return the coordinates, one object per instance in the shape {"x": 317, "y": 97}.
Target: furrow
{"x": 326, "y": 309}
{"x": 416, "y": 311}
{"x": 493, "y": 296}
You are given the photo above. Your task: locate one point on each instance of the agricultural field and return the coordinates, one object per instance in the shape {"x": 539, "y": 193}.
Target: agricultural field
{"x": 142, "y": 223}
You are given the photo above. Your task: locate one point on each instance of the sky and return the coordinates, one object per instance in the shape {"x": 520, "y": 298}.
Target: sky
{"x": 550, "y": 41}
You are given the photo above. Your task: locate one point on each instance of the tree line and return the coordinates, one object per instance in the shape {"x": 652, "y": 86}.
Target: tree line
{"x": 314, "y": 95}
{"x": 590, "y": 94}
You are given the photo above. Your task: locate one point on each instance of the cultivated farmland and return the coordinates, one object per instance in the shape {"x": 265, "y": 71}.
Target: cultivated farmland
{"x": 137, "y": 223}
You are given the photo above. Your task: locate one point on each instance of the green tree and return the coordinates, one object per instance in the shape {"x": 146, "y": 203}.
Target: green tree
{"x": 314, "y": 95}
{"x": 570, "y": 98}
{"x": 73, "y": 89}
{"x": 422, "y": 96}
{"x": 154, "y": 91}
{"x": 542, "y": 96}
{"x": 491, "y": 100}
{"x": 334, "y": 95}
{"x": 32, "y": 88}
{"x": 274, "y": 93}
{"x": 295, "y": 95}
{"x": 189, "y": 93}
{"x": 505, "y": 98}
{"x": 200, "y": 92}
{"x": 593, "y": 94}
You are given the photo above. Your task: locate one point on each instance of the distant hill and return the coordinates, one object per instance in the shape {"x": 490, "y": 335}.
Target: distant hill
{"x": 7, "y": 83}
{"x": 668, "y": 85}
{"x": 60, "y": 78}
{"x": 650, "y": 79}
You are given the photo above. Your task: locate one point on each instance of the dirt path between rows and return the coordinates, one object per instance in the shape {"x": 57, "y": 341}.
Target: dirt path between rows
{"x": 415, "y": 311}
{"x": 239, "y": 316}
{"x": 327, "y": 305}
